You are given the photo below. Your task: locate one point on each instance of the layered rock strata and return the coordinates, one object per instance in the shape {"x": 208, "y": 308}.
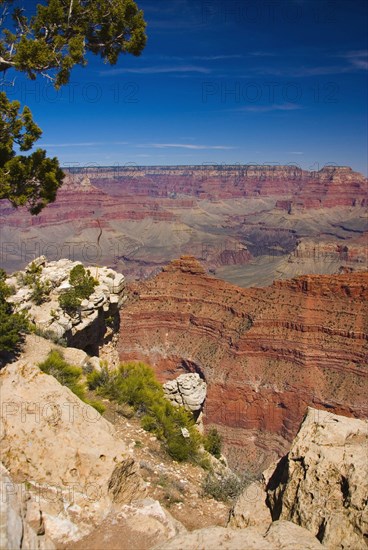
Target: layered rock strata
{"x": 136, "y": 219}
{"x": 265, "y": 353}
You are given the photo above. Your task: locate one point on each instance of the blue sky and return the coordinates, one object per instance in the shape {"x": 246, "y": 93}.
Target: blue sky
{"x": 220, "y": 81}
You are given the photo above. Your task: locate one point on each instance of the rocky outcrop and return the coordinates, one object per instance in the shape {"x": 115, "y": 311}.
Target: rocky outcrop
{"x": 63, "y": 453}
{"x": 188, "y": 390}
{"x": 140, "y": 525}
{"x": 250, "y": 509}
{"x": 88, "y": 326}
{"x": 322, "y": 484}
{"x": 265, "y": 353}
{"x": 16, "y": 529}
{"x": 282, "y": 535}
{"x": 353, "y": 253}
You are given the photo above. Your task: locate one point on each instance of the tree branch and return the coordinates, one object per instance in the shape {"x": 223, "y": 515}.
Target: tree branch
{"x": 70, "y": 11}
{"x": 5, "y": 64}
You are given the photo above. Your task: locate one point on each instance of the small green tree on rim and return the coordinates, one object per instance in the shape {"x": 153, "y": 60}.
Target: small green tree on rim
{"x": 50, "y": 42}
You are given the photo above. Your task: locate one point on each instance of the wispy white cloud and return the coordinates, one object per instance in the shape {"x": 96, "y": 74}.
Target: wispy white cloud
{"x": 358, "y": 58}
{"x": 184, "y": 146}
{"x": 260, "y": 53}
{"x": 303, "y": 71}
{"x": 158, "y": 69}
{"x": 84, "y": 144}
{"x": 270, "y": 107}
{"x": 202, "y": 57}
{"x": 349, "y": 62}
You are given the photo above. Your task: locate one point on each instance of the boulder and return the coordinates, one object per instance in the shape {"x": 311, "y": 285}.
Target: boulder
{"x": 281, "y": 535}
{"x": 95, "y": 363}
{"x": 211, "y": 538}
{"x": 143, "y": 524}
{"x": 15, "y": 530}
{"x": 285, "y": 535}
{"x": 188, "y": 390}
{"x": 322, "y": 484}
{"x": 36, "y": 349}
{"x": 250, "y": 509}
{"x": 64, "y": 451}
{"x": 37, "y": 262}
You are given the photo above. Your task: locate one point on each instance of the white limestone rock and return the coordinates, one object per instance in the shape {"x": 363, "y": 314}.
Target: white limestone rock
{"x": 188, "y": 390}
{"x": 322, "y": 484}
{"x": 106, "y": 299}
{"x": 16, "y": 529}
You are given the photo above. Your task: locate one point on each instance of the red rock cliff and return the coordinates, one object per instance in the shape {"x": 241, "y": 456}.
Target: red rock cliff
{"x": 266, "y": 353}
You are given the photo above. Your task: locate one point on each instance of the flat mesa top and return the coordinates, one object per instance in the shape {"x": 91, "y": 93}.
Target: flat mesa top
{"x": 205, "y": 167}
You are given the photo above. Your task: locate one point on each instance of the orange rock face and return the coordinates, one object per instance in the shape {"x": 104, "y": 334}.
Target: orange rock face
{"x": 265, "y": 353}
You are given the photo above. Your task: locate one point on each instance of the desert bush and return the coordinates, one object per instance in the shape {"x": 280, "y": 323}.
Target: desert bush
{"x": 69, "y": 376}
{"x": 31, "y": 275}
{"x": 213, "y": 443}
{"x": 97, "y": 379}
{"x": 135, "y": 385}
{"x": 13, "y": 325}
{"x": 69, "y": 301}
{"x": 40, "y": 291}
{"x": 82, "y": 286}
{"x": 223, "y": 488}
{"x": 31, "y": 278}
{"x": 82, "y": 281}
{"x": 100, "y": 407}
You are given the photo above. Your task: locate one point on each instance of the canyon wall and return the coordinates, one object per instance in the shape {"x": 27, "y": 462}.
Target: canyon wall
{"x": 265, "y": 353}
{"x": 136, "y": 219}
{"x": 330, "y": 186}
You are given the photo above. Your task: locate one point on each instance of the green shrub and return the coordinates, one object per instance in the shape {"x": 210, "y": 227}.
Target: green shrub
{"x": 97, "y": 379}
{"x": 40, "y": 291}
{"x": 135, "y": 385}
{"x": 31, "y": 275}
{"x": 31, "y": 278}
{"x": 82, "y": 281}
{"x": 225, "y": 488}
{"x": 213, "y": 443}
{"x": 82, "y": 286}
{"x": 100, "y": 407}
{"x": 69, "y": 376}
{"x": 69, "y": 301}
{"x": 13, "y": 326}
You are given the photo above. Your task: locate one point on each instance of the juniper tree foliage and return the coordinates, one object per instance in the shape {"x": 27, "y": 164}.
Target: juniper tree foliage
{"x": 58, "y": 36}
{"x": 13, "y": 326}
